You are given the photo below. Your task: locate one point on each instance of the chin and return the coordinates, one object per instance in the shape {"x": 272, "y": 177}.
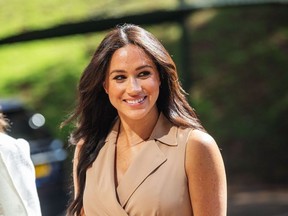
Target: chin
{"x": 134, "y": 114}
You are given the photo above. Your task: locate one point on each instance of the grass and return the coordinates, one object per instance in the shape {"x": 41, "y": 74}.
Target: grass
{"x": 17, "y": 16}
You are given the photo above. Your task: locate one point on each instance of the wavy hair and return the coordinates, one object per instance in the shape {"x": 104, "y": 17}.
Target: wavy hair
{"x": 94, "y": 114}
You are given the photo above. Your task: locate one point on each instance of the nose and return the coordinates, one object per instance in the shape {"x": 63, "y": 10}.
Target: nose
{"x": 133, "y": 86}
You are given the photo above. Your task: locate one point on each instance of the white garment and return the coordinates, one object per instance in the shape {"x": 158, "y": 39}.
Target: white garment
{"x": 18, "y": 194}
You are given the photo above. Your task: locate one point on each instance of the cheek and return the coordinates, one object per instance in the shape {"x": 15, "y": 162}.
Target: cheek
{"x": 108, "y": 86}
{"x": 114, "y": 91}
{"x": 116, "y": 88}
{"x": 153, "y": 87}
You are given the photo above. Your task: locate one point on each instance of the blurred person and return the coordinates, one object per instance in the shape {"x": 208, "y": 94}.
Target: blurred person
{"x": 140, "y": 148}
{"x": 18, "y": 193}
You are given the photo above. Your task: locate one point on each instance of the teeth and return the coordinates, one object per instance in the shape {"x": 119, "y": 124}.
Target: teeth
{"x": 135, "y": 101}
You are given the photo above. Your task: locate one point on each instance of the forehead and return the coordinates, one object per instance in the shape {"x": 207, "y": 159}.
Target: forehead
{"x": 131, "y": 55}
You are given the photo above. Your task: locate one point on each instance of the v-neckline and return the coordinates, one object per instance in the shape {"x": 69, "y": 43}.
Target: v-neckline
{"x": 148, "y": 159}
{"x": 118, "y": 180}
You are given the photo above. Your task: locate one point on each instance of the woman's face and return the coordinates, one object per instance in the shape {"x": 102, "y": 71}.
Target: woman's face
{"x": 132, "y": 83}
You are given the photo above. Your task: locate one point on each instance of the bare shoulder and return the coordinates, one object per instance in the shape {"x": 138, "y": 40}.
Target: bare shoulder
{"x": 78, "y": 147}
{"x": 201, "y": 142}
{"x": 80, "y": 143}
{"x": 206, "y": 175}
{"x": 203, "y": 156}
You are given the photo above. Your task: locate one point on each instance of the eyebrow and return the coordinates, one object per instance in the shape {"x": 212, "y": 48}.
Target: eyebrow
{"x": 123, "y": 71}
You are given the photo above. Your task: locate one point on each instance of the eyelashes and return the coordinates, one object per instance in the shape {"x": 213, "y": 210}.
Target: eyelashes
{"x": 119, "y": 77}
{"x": 144, "y": 74}
{"x": 141, "y": 75}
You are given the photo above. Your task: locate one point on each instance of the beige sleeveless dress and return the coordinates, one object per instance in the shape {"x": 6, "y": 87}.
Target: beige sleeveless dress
{"x": 154, "y": 184}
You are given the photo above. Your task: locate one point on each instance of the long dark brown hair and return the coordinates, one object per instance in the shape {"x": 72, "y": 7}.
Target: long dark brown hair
{"x": 94, "y": 114}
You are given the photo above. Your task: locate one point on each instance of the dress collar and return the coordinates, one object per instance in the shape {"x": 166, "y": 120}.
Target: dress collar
{"x": 164, "y": 131}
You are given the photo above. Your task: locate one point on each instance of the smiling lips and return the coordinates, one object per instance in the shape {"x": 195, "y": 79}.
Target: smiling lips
{"x": 136, "y": 101}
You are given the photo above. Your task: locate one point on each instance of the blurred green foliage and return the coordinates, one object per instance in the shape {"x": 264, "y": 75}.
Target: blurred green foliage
{"x": 44, "y": 74}
{"x": 239, "y": 65}
{"x": 35, "y": 14}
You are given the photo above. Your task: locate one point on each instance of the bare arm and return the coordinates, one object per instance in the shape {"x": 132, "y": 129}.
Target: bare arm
{"x": 75, "y": 164}
{"x": 206, "y": 175}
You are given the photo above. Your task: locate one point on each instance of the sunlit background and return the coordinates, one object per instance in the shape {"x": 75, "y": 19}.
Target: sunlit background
{"x": 232, "y": 58}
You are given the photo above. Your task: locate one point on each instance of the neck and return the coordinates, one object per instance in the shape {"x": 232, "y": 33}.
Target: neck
{"x": 136, "y": 132}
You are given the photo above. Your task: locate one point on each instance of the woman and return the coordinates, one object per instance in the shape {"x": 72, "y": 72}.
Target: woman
{"x": 18, "y": 194}
{"x": 140, "y": 148}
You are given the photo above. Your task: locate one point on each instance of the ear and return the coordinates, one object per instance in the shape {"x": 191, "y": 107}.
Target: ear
{"x": 160, "y": 77}
{"x": 105, "y": 87}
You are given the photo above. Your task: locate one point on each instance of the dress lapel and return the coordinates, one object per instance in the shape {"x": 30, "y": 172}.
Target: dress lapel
{"x": 150, "y": 158}
{"x": 103, "y": 175}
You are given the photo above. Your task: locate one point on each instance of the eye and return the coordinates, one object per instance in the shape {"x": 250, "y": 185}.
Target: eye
{"x": 144, "y": 74}
{"x": 119, "y": 77}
